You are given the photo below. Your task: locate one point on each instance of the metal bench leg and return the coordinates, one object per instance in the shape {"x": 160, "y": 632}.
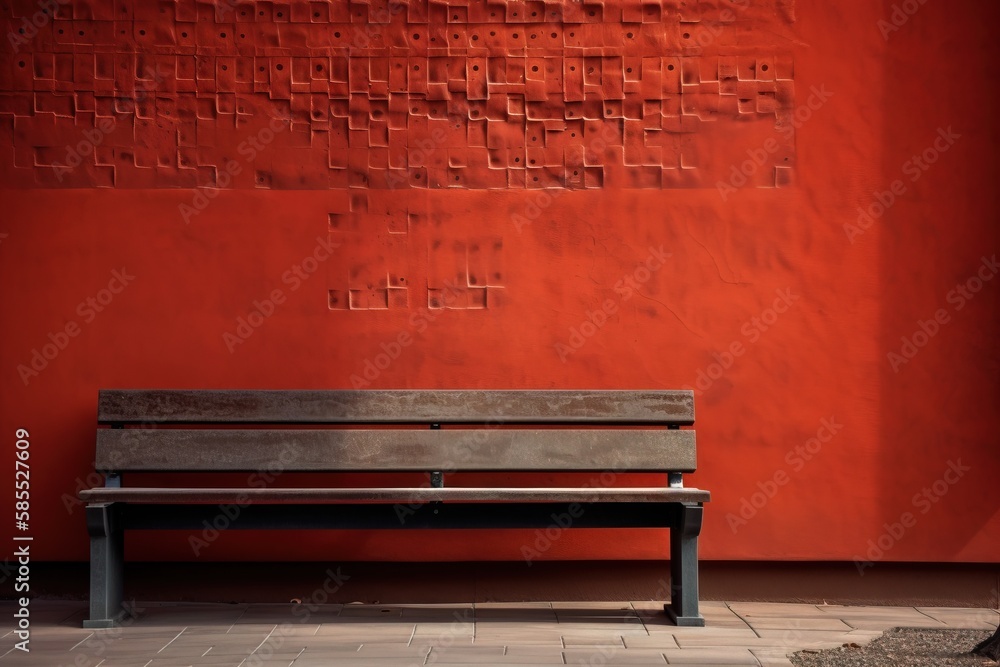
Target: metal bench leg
{"x": 683, "y": 607}
{"x": 107, "y": 557}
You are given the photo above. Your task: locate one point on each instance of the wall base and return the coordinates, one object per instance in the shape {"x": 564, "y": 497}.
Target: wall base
{"x": 922, "y": 584}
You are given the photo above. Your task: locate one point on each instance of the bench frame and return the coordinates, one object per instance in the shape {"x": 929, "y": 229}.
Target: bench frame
{"x": 113, "y": 509}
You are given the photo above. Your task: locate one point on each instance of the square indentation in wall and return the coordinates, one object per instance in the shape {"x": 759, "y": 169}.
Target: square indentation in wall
{"x": 338, "y": 299}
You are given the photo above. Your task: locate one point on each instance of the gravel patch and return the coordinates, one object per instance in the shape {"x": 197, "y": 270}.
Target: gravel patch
{"x": 904, "y": 647}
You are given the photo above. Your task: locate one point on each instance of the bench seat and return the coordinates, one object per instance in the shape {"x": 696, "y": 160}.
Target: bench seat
{"x": 152, "y": 496}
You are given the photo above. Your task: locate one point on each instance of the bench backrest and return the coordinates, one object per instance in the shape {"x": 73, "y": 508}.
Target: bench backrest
{"x": 415, "y": 430}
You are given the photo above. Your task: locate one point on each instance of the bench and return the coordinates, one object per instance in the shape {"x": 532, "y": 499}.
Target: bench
{"x": 426, "y": 431}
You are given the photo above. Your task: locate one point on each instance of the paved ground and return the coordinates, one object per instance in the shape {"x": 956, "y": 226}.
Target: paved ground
{"x": 587, "y": 633}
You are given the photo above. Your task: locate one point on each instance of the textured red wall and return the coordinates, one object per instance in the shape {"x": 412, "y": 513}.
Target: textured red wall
{"x": 538, "y": 195}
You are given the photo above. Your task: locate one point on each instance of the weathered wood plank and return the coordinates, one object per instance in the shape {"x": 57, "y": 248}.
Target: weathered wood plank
{"x": 391, "y": 495}
{"x": 395, "y": 406}
{"x": 180, "y": 450}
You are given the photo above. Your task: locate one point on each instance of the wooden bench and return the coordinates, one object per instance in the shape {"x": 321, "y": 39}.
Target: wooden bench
{"x": 202, "y": 431}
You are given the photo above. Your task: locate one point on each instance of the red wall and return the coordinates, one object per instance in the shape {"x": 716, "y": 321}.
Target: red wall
{"x": 309, "y": 133}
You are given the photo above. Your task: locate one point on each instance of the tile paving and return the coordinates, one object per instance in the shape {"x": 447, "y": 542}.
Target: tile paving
{"x": 557, "y": 633}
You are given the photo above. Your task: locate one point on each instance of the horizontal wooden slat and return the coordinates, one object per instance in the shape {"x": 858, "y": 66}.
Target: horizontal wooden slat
{"x": 391, "y": 495}
{"x": 381, "y": 516}
{"x": 133, "y": 406}
{"x": 179, "y": 450}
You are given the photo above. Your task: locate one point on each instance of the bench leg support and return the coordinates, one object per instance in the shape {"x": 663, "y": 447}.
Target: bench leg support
{"x": 683, "y": 607}
{"x": 107, "y": 557}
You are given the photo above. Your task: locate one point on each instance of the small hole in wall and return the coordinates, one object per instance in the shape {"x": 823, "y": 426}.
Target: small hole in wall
{"x": 142, "y": 32}
{"x": 763, "y": 68}
{"x": 336, "y": 34}
{"x": 184, "y": 34}
{"x": 21, "y": 64}
{"x": 687, "y": 35}
{"x": 279, "y": 67}
{"x": 475, "y": 68}
{"x": 670, "y": 68}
